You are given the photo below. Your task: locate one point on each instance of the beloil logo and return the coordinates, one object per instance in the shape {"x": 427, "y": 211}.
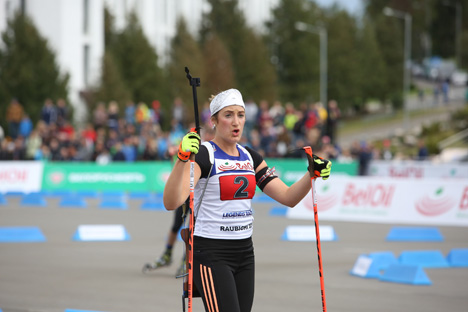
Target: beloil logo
{"x": 434, "y": 204}
{"x": 374, "y": 196}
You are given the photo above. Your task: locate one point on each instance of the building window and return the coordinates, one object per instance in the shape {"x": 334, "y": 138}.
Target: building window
{"x": 85, "y": 16}
{"x": 86, "y": 64}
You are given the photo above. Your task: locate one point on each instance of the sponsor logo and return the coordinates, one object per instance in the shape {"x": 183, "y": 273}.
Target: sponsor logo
{"x": 13, "y": 175}
{"x": 237, "y": 214}
{"x": 108, "y": 177}
{"x": 434, "y": 204}
{"x": 326, "y": 201}
{"x": 464, "y": 200}
{"x": 406, "y": 172}
{"x": 227, "y": 165}
{"x": 56, "y": 177}
{"x": 235, "y": 228}
{"x": 378, "y": 195}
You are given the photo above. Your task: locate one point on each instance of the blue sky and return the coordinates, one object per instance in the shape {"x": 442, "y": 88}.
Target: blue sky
{"x": 353, "y": 6}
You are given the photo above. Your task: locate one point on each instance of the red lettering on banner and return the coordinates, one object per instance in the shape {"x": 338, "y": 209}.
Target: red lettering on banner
{"x": 464, "y": 199}
{"x": 372, "y": 195}
{"x": 406, "y": 172}
{"x": 13, "y": 176}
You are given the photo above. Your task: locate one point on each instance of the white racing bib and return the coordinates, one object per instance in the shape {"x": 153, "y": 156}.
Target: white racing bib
{"x": 226, "y": 211}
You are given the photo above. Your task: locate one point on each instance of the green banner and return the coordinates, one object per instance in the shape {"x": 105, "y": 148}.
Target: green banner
{"x": 291, "y": 170}
{"x": 146, "y": 176}
{"x": 120, "y": 177}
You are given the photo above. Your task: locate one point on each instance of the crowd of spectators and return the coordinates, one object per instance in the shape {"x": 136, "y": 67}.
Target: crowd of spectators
{"x": 135, "y": 134}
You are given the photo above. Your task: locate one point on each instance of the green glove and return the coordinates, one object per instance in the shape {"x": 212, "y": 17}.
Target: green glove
{"x": 190, "y": 144}
{"x": 319, "y": 167}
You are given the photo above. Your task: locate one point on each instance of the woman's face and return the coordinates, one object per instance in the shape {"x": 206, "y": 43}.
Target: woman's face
{"x": 230, "y": 123}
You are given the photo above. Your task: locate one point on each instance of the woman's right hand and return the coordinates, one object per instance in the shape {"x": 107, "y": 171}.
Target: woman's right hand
{"x": 190, "y": 144}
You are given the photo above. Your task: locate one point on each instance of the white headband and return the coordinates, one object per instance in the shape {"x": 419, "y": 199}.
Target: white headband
{"x": 226, "y": 98}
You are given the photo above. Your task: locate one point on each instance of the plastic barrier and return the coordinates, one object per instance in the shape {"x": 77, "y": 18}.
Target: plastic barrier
{"x": 415, "y": 234}
{"x": 423, "y": 258}
{"x": 406, "y": 274}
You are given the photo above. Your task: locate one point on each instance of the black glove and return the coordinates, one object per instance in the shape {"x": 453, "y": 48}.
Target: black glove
{"x": 319, "y": 167}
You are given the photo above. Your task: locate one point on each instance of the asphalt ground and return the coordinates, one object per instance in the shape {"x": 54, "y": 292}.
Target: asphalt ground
{"x": 61, "y": 273}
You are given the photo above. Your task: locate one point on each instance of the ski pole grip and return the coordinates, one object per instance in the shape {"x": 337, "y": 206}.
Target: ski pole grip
{"x": 310, "y": 158}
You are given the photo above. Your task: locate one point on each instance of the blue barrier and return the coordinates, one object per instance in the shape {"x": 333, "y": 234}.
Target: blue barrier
{"x": 260, "y": 198}
{"x": 21, "y": 234}
{"x": 140, "y": 194}
{"x": 113, "y": 203}
{"x": 89, "y": 194}
{"x": 278, "y": 211}
{"x": 406, "y": 274}
{"x": 458, "y": 257}
{"x": 73, "y": 201}
{"x": 14, "y": 193}
{"x": 373, "y": 264}
{"x": 33, "y": 200}
{"x": 415, "y": 234}
{"x": 113, "y": 193}
{"x": 153, "y": 204}
{"x": 59, "y": 193}
{"x": 423, "y": 258}
{"x": 3, "y": 200}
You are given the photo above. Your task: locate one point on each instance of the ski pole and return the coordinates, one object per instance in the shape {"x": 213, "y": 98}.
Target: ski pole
{"x": 308, "y": 150}
{"x": 194, "y": 83}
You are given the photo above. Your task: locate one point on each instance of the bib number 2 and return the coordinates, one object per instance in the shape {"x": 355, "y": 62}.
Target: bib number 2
{"x": 234, "y": 187}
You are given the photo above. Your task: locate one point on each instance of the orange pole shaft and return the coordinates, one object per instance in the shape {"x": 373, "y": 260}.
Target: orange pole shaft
{"x": 319, "y": 248}
{"x": 190, "y": 253}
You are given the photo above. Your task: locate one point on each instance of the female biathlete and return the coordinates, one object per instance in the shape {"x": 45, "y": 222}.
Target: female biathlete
{"x": 223, "y": 261}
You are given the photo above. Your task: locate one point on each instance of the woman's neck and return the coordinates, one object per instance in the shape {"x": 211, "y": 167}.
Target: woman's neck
{"x": 228, "y": 148}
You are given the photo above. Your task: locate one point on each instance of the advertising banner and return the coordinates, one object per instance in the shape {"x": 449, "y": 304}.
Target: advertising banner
{"x": 119, "y": 177}
{"x": 387, "y": 200}
{"x": 20, "y": 176}
{"x": 418, "y": 169}
{"x": 291, "y": 170}
{"x": 148, "y": 176}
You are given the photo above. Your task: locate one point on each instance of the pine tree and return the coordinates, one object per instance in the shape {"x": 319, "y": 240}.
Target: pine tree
{"x": 28, "y": 69}
{"x": 390, "y": 40}
{"x": 185, "y": 52}
{"x": 372, "y": 81}
{"x": 112, "y": 86}
{"x": 296, "y": 53}
{"x": 137, "y": 61}
{"x": 254, "y": 74}
{"x": 258, "y": 78}
{"x": 343, "y": 68}
{"x": 218, "y": 66}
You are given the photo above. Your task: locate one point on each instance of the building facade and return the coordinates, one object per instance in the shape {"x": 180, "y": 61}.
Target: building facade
{"x": 75, "y": 30}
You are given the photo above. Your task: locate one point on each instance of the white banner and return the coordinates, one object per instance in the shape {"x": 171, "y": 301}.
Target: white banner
{"x": 418, "y": 169}
{"x": 21, "y": 176}
{"x": 388, "y": 200}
